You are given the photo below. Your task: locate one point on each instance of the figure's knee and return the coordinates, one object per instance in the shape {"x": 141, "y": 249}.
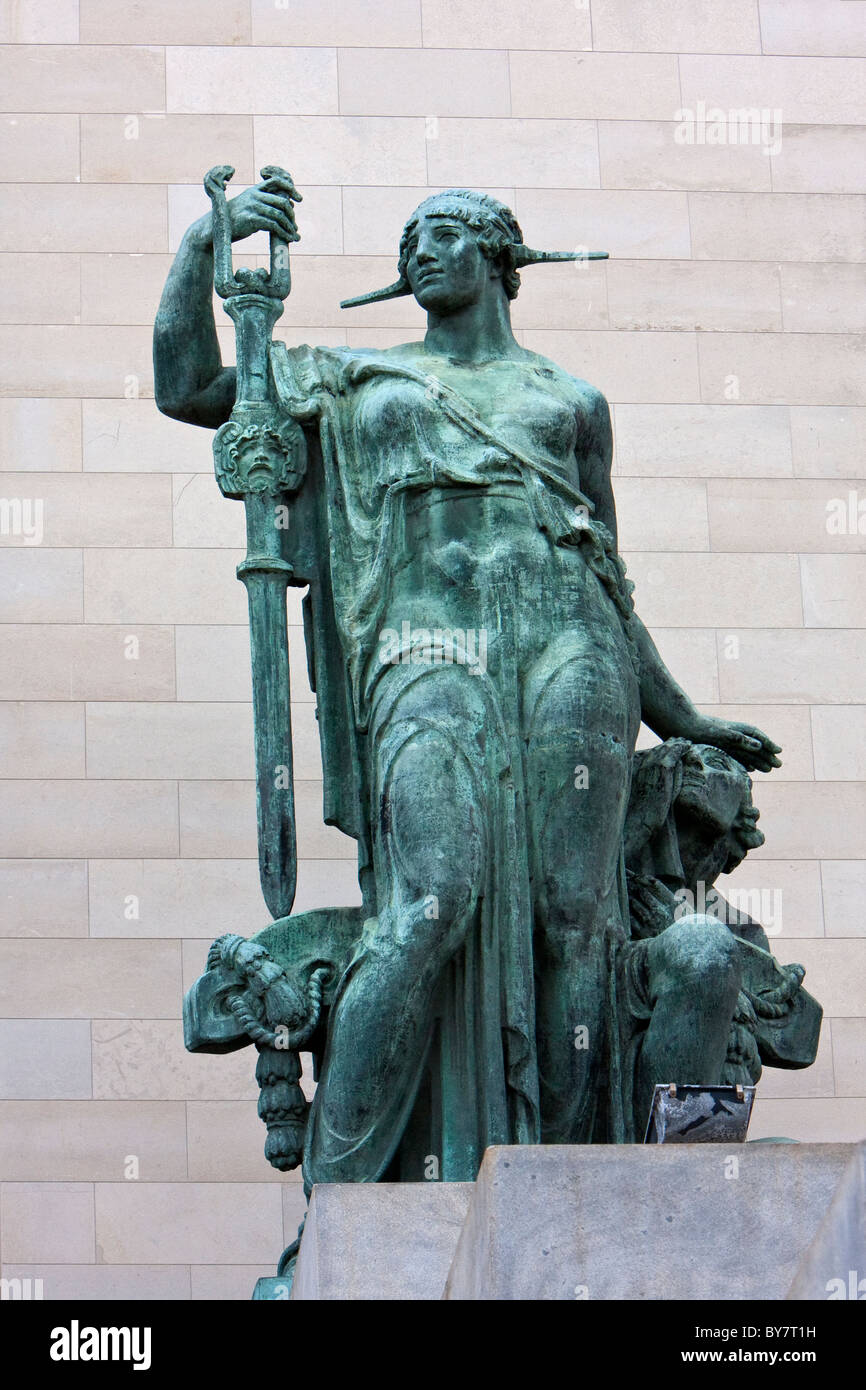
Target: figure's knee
{"x": 431, "y": 821}
{"x": 699, "y": 957}
{"x": 412, "y": 941}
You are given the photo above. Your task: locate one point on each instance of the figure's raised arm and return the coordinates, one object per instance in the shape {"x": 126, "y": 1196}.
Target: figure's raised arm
{"x": 190, "y": 381}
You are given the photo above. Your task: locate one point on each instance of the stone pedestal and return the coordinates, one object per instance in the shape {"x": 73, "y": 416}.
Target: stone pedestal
{"x": 380, "y": 1240}
{"x": 595, "y": 1222}
{"x": 643, "y": 1222}
{"x": 834, "y": 1266}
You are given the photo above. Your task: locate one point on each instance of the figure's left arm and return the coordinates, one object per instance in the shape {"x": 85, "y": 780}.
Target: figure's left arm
{"x": 665, "y": 707}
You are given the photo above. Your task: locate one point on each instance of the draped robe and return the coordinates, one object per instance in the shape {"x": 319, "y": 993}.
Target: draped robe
{"x": 383, "y": 434}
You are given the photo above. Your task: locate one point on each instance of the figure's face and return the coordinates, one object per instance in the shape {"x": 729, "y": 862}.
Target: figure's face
{"x": 446, "y": 268}
{"x": 708, "y": 803}
{"x": 711, "y": 789}
{"x": 259, "y": 463}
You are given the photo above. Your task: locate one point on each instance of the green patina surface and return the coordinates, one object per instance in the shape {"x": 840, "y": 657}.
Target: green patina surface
{"x": 539, "y": 941}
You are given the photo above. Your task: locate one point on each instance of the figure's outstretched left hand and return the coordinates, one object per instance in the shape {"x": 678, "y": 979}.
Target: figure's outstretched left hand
{"x": 748, "y": 744}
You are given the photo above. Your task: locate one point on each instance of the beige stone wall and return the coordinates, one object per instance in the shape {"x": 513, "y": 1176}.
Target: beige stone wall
{"x": 724, "y": 332}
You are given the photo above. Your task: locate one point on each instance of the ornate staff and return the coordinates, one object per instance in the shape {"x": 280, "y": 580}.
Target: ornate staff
{"x": 261, "y": 459}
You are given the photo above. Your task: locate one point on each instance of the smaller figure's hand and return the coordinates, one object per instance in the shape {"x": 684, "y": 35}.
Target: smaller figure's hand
{"x": 652, "y": 905}
{"x": 266, "y": 207}
{"x": 748, "y": 744}
{"x": 657, "y": 779}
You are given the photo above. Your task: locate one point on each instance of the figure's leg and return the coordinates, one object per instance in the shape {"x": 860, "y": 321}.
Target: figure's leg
{"x": 692, "y": 979}
{"x": 429, "y": 850}
{"x": 581, "y": 730}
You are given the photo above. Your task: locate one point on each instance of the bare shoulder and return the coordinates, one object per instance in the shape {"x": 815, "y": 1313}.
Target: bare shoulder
{"x": 589, "y": 402}
{"x": 402, "y": 351}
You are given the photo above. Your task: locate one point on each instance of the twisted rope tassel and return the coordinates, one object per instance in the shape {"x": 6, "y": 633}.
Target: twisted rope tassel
{"x": 283, "y": 1107}
{"x": 775, "y": 1003}
{"x": 280, "y": 1019}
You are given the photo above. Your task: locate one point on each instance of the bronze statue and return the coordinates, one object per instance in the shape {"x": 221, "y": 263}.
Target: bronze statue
{"x": 481, "y": 675}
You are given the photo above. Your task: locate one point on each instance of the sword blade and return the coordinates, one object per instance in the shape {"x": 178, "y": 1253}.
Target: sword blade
{"x": 266, "y": 578}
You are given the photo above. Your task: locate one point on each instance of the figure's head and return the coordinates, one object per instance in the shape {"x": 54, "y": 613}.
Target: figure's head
{"x": 457, "y": 247}
{"x": 691, "y": 816}
{"x": 716, "y": 818}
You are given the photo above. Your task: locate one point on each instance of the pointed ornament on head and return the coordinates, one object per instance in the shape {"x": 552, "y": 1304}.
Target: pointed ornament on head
{"x": 499, "y": 231}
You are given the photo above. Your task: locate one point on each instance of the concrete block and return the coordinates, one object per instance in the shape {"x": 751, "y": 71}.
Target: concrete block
{"x": 77, "y": 359}
{"x": 839, "y": 735}
{"x": 818, "y": 159}
{"x": 702, "y": 589}
{"x": 806, "y": 90}
{"x": 425, "y": 81}
{"x": 39, "y": 287}
{"x": 47, "y": 1222}
{"x": 78, "y": 818}
{"x": 82, "y": 509}
{"x": 271, "y": 81}
{"x": 379, "y": 1240}
{"x": 164, "y": 586}
{"x": 642, "y": 1222}
{"x": 44, "y": 1058}
{"x": 625, "y": 222}
{"x": 849, "y": 1056}
{"x": 164, "y": 149}
{"x": 85, "y": 217}
{"x": 55, "y": 661}
{"x": 344, "y": 149}
{"x": 559, "y": 152}
{"x": 646, "y": 154}
{"x": 43, "y": 897}
{"x": 43, "y": 148}
{"x": 143, "y": 1060}
{"x": 788, "y": 26}
{"x": 164, "y": 22}
{"x": 813, "y": 820}
{"x": 471, "y": 23}
{"x": 763, "y": 666}
{"x": 90, "y": 979}
{"x": 358, "y": 23}
{"x": 669, "y": 27}
{"x": 625, "y": 366}
{"x": 833, "y": 588}
{"x": 671, "y": 441}
{"x": 40, "y": 586}
{"x": 833, "y": 1265}
{"x": 822, "y": 299}
{"x": 844, "y": 883}
{"x": 30, "y": 21}
{"x": 783, "y": 368}
{"x": 217, "y": 819}
{"x": 38, "y": 433}
{"x": 784, "y": 895}
{"x": 87, "y": 1140}
{"x": 825, "y": 1120}
{"x": 619, "y": 86}
{"x": 685, "y": 295}
{"x": 69, "y": 77}
{"x": 188, "y": 1223}
{"x": 776, "y": 226}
